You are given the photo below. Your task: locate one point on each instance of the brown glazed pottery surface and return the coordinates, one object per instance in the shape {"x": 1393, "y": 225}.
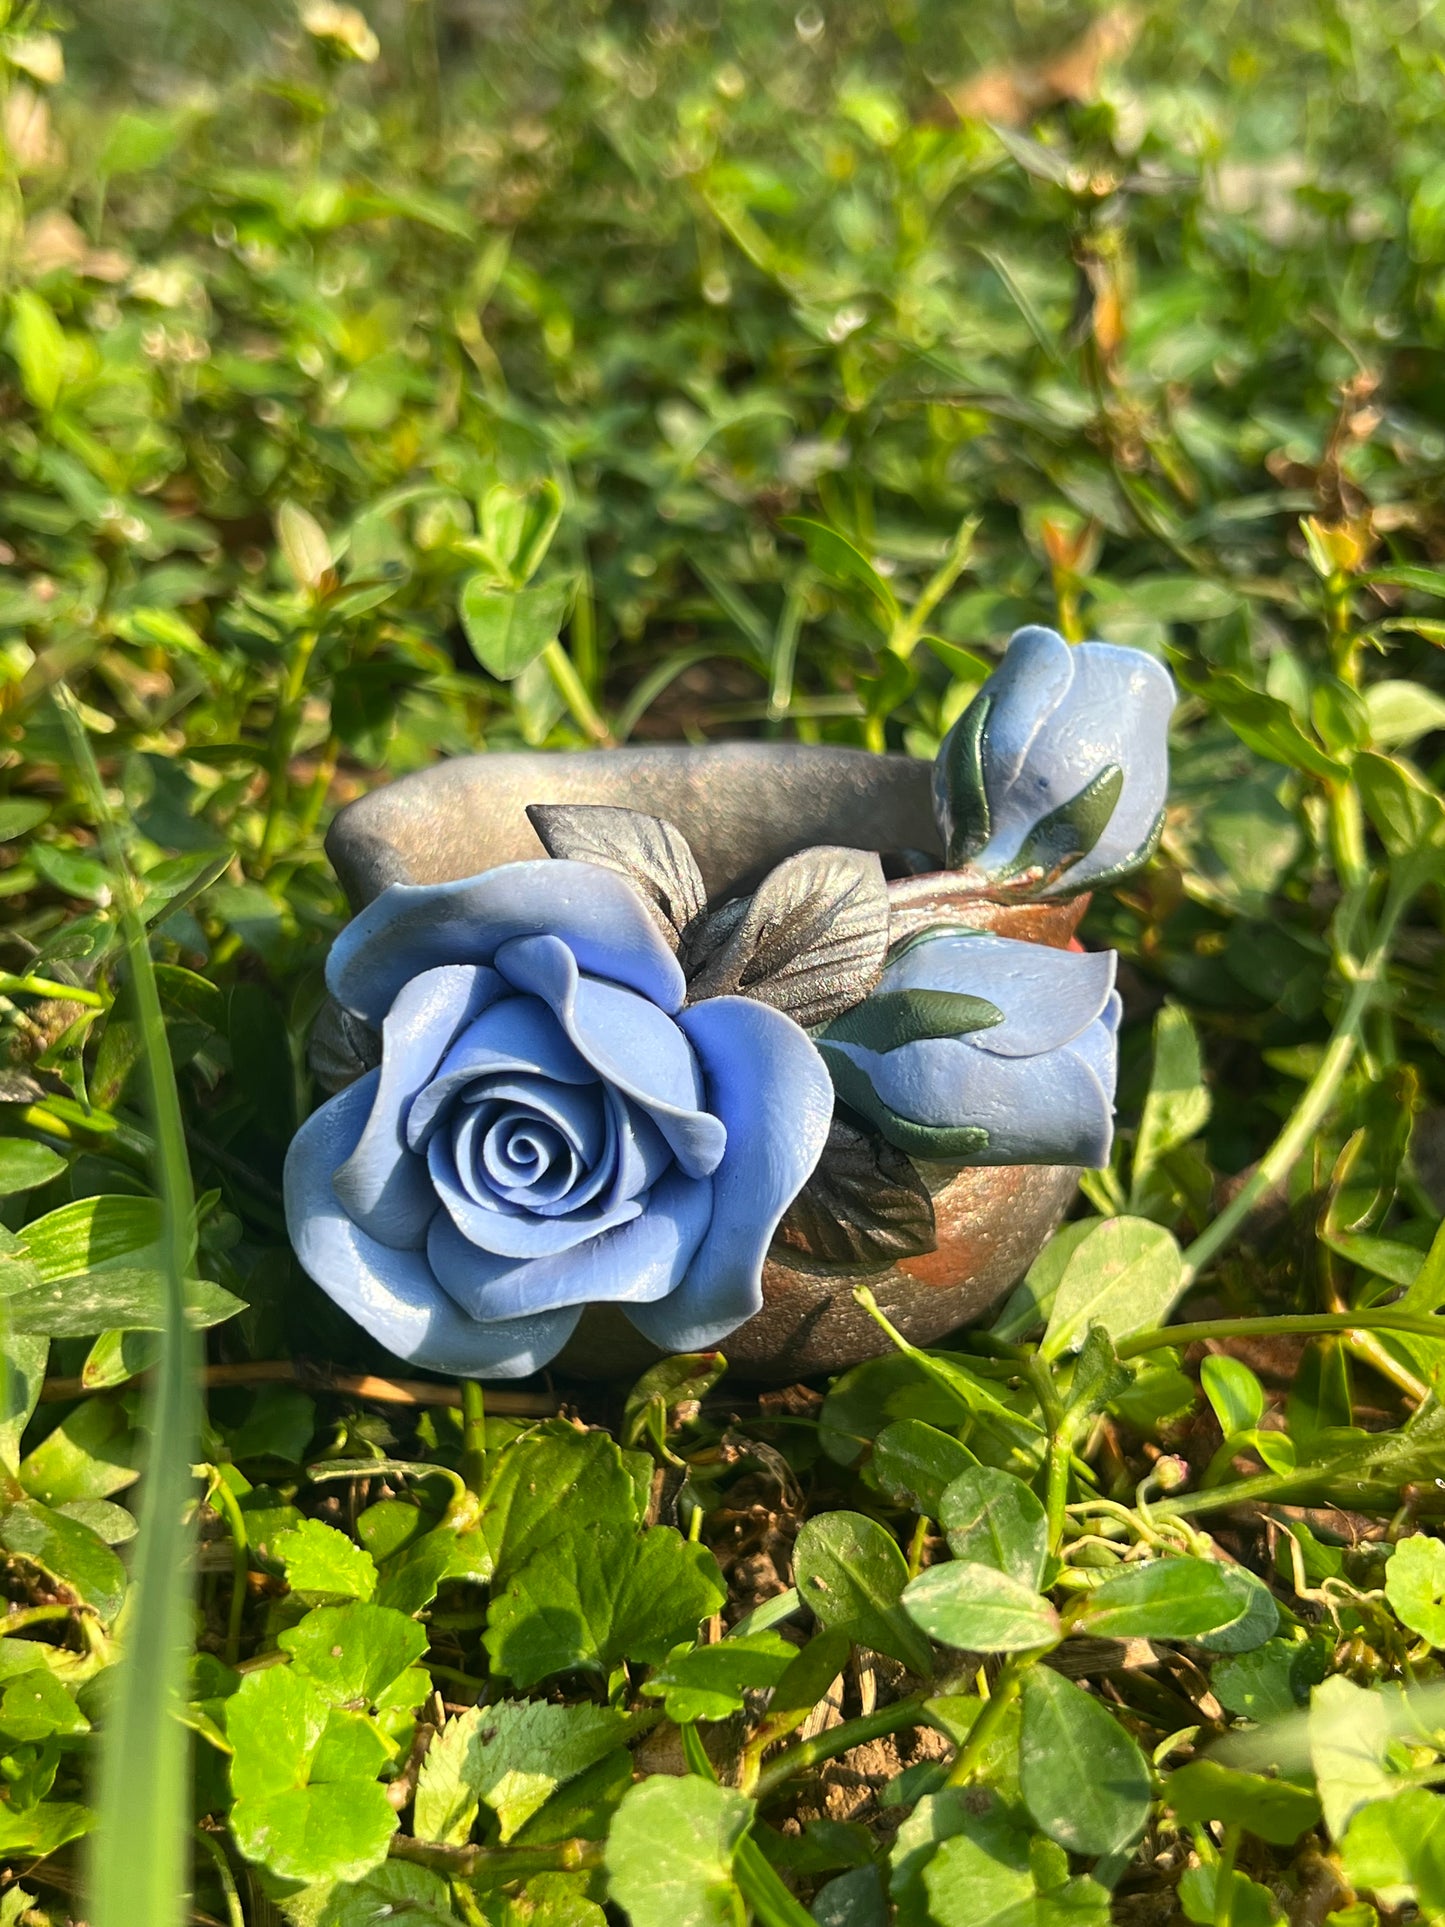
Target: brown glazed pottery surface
{"x": 744, "y": 807}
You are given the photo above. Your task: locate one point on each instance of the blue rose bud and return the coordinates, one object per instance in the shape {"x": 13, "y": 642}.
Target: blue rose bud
{"x": 1054, "y": 777}
{"x": 548, "y": 1127}
{"x": 985, "y": 1050}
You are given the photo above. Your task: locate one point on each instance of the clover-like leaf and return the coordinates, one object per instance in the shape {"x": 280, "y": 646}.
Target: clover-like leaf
{"x": 810, "y": 940}
{"x": 852, "y": 1575}
{"x": 710, "y": 1682}
{"x": 1084, "y": 1780}
{"x": 1415, "y": 1586}
{"x": 670, "y": 1853}
{"x": 323, "y": 1563}
{"x": 595, "y": 1595}
{"x": 993, "y": 1519}
{"x": 864, "y": 1205}
{"x": 647, "y": 850}
{"x": 308, "y": 1803}
{"x": 979, "y": 1609}
{"x": 360, "y": 1655}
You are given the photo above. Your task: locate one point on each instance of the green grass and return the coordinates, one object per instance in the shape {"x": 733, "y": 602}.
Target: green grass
{"x": 781, "y": 367}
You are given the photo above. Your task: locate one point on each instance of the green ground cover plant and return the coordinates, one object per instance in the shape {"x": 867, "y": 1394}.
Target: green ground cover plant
{"x": 375, "y": 389}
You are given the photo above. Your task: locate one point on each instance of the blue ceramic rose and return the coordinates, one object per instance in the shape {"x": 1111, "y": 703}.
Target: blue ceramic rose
{"x": 1054, "y": 777}
{"x": 1020, "y": 1064}
{"x": 548, "y": 1128}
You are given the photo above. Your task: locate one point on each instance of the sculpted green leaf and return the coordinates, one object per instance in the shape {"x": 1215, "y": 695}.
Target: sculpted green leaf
{"x": 865, "y": 1204}
{"x": 670, "y": 1853}
{"x": 810, "y": 940}
{"x": 851, "y": 1575}
{"x": 649, "y": 852}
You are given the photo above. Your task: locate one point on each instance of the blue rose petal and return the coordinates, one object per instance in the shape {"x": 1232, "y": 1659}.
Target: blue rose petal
{"x": 395, "y": 1294}
{"x": 514, "y": 1036}
{"x": 412, "y": 927}
{"x": 1041, "y": 1082}
{"x": 632, "y": 1266}
{"x": 771, "y": 1089}
{"x": 506, "y": 1230}
{"x": 382, "y": 1185}
{"x": 630, "y": 1044}
{"x": 546, "y": 1130}
{"x": 1059, "y": 715}
{"x": 1047, "y": 996}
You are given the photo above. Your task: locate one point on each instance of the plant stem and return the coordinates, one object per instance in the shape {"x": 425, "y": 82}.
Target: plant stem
{"x": 1304, "y": 1121}
{"x": 284, "y": 727}
{"x": 1307, "y": 1324}
{"x": 838, "y": 1739}
{"x": 224, "y": 1499}
{"x": 34, "y": 1616}
{"x": 499, "y": 1863}
{"x": 474, "y": 1435}
{"x": 1005, "y": 1692}
{"x": 764, "y": 1891}
{"x": 318, "y": 1378}
{"x": 572, "y": 691}
{"x": 235, "y": 1915}
{"x": 47, "y": 987}
{"x": 1060, "y": 1454}
{"x": 907, "y": 630}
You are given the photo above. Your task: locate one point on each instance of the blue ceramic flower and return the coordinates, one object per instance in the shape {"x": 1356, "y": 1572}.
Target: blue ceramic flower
{"x": 1059, "y": 766}
{"x": 1009, "y": 1053}
{"x": 548, "y": 1127}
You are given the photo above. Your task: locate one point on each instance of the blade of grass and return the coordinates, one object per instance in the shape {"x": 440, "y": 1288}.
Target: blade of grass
{"x": 138, "y": 1871}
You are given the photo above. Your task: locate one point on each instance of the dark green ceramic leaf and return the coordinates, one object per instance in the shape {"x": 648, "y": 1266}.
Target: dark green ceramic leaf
{"x": 891, "y": 1018}
{"x": 865, "y": 1204}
